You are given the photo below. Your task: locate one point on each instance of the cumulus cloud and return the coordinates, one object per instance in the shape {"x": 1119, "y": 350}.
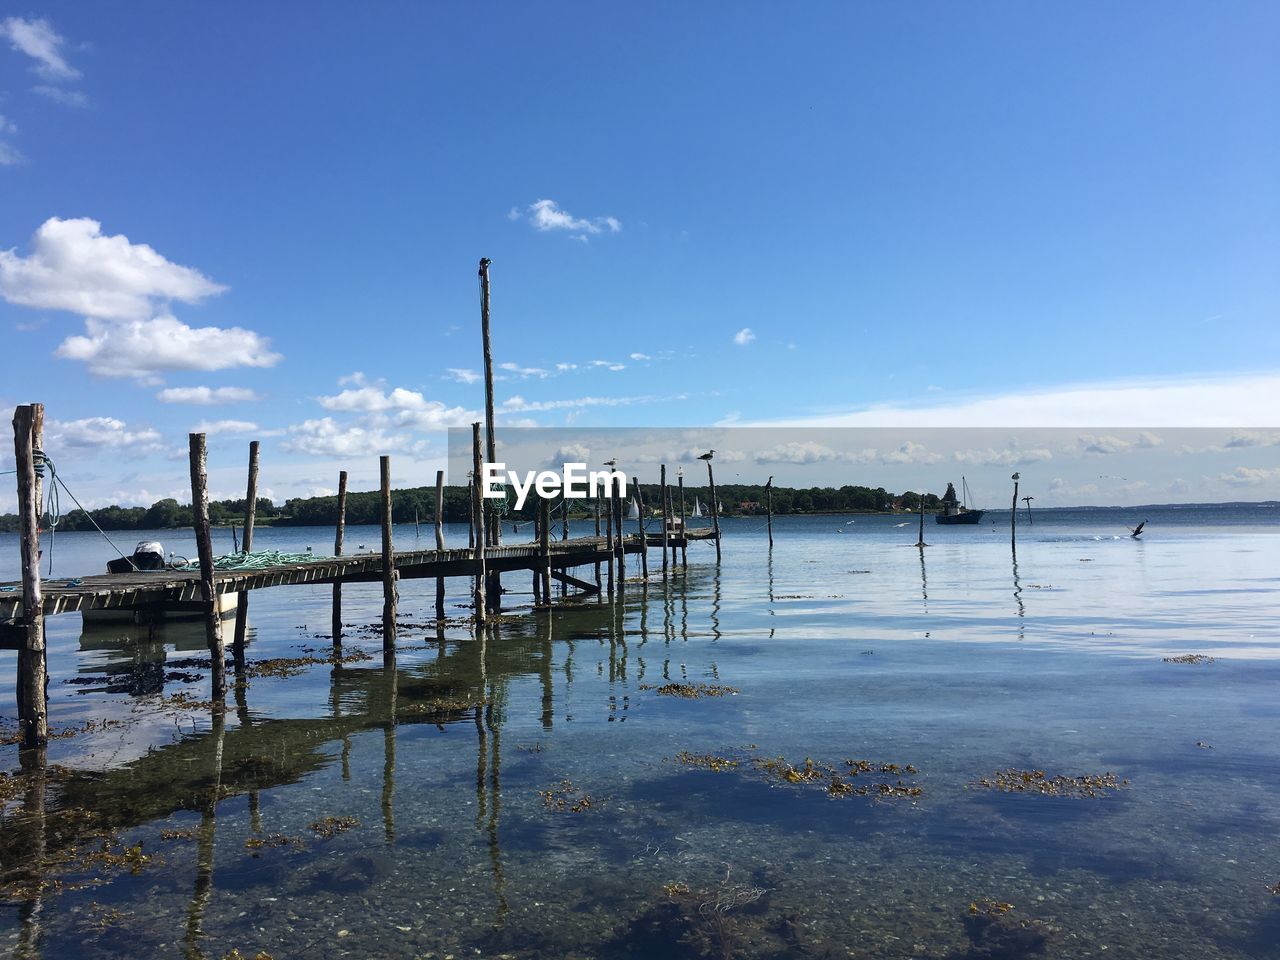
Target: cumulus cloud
{"x": 215, "y": 427}
{"x": 798, "y": 452}
{"x": 463, "y": 375}
{"x": 608, "y": 365}
{"x": 1009, "y": 457}
{"x": 73, "y": 266}
{"x": 547, "y": 216}
{"x": 641, "y": 356}
{"x": 1108, "y": 444}
{"x": 101, "y": 433}
{"x": 68, "y": 98}
{"x": 327, "y": 438}
{"x": 1250, "y": 476}
{"x": 9, "y": 156}
{"x": 518, "y": 404}
{"x": 39, "y": 41}
{"x": 143, "y": 348}
{"x": 207, "y": 396}
{"x": 407, "y": 408}
{"x": 519, "y": 371}
{"x": 743, "y": 336}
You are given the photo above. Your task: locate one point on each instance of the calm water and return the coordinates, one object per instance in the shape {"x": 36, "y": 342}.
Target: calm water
{"x": 844, "y": 642}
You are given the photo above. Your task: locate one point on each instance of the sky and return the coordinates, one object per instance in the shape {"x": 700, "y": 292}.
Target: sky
{"x": 264, "y": 222}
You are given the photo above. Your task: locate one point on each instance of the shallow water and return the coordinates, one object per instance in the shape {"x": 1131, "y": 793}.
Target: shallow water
{"x": 844, "y": 642}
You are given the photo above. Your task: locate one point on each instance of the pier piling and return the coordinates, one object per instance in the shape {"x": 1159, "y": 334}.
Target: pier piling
{"x": 477, "y": 523}
{"x": 684, "y": 540}
{"x": 33, "y": 675}
{"x": 439, "y": 539}
{"x": 199, "y": 457}
{"x": 250, "y": 514}
{"x": 715, "y": 509}
{"x": 389, "y": 593}
{"x": 665, "y": 504}
{"x": 340, "y": 533}
{"x": 644, "y": 541}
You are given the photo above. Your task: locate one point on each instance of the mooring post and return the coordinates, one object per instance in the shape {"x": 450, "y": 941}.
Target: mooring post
{"x": 439, "y": 539}
{"x": 664, "y": 503}
{"x": 1013, "y": 512}
{"x": 621, "y": 537}
{"x": 597, "y": 537}
{"x": 608, "y": 532}
{"x": 684, "y": 530}
{"x": 477, "y": 522}
{"x": 768, "y": 506}
{"x": 644, "y": 540}
{"x": 920, "y": 541}
{"x": 33, "y": 675}
{"x": 671, "y": 512}
{"x": 339, "y": 535}
{"x": 493, "y": 524}
{"x": 199, "y": 457}
{"x": 715, "y": 509}
{"x": 537, "y": 538}
{"x": 242, "y": 598}
{"x": 389, "y": 593}
{"x": 544, "y": 547}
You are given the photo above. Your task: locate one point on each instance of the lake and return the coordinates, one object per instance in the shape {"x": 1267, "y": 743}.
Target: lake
{"x": 1067, "y": 750}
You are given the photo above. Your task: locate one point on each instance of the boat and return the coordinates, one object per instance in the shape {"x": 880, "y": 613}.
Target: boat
{"x": 697, "y": 509}
{"x": 147, "y": 560}
{"x": 635, "y": 510}
{"x": 956, "y": 511}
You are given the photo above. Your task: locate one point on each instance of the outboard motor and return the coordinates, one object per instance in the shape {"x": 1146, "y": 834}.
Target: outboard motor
{"x": 147, "y": 555}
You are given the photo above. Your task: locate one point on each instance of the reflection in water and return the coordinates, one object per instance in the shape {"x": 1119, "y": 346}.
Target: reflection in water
{"x": 1017, "y": 595}
{"x": 924, "y": 582}
{"x": 205, "y": 837}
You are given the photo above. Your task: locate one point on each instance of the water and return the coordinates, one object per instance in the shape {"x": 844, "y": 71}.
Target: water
{"x": 844, "y": 642}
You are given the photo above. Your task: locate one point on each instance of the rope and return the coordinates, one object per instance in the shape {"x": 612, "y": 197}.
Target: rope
{"x": 254, "y": 560}
{"x": 57, "y": 481}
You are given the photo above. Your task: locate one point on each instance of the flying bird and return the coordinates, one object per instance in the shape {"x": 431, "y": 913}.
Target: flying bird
{"x": 708, "y": 455}
{"x": 1136, "y": 532}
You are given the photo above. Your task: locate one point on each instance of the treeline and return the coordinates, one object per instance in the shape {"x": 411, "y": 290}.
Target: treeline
{"x": 736, "y": 499}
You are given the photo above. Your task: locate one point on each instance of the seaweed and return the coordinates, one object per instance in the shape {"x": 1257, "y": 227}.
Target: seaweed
{"x": 1086, "y": 786}
{"x": 691, "y": 691}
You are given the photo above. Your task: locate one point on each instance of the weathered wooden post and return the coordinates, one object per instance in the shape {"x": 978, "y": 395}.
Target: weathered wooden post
{"x": 920, "y": 540}
{"x": 597, "y": 536}
{"x": 33, "y": 674}
{"x": 477, "y": 521}
{"x": 250, "y": 514}
{"x": 644, "y": 540}
{"x": 1027, "y": 501}
{"x": 768, "y": 506}
{"x": 439, "y": 539}
{"x": 684, "y": 531}
{"x": 715, "y": 509}
{"x": 389, "y": 593}
{"x": 608, "y": 532}
{"x": 544, "y": 547}
{"x": 493, "y": 524}
{"x": 339, "y": 536}
{"x": 621, "y": 535}
{"x": 199, "y": 457}
{"x": 671, "y": 512}
{"x": 537, "y": 538}
{"x": 1013, "y": 512}
{"x": 664, "y": 503}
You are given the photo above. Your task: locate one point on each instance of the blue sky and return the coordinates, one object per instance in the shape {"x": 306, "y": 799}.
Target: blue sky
{"x": 698, "y": 214}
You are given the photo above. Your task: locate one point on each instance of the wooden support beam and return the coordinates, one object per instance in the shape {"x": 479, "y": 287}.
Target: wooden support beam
{"x": 715, "y": 508}
{"x": 684, "y": 540}
{"x": 608, "y": 533}
{"x": 666, "y": 518}
{"x": 566, "y": 579}
{"x": 339, "y": 535}
{"x": 390, "y": 595}
{"x": 544, "y": 547}
{"x": 644, "y": 544}
{"x": 439, "y": 539}
{"x": 33, "y": 674}
{"x": 199, "y": 457}
{"x": 477, "y": 521}
{"x": 250, "y": 514}
{"x": 768, "y": 506}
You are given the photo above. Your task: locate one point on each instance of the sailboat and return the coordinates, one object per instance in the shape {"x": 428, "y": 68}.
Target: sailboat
{"x": 955, "y": 511}
{"x": 634, "y": 514}
{"x": 697, "y": 508}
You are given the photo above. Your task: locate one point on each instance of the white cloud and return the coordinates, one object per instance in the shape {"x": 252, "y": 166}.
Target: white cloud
{"x": 143, "y": 348}
{"x": 1250, "y": 476}
{"x": 518, "y": 404}
{"x": 1009, "y": 457}
{"x": 743, "y": 337}
{"x": 101, "y": 432}
{"x": 74, "y": 267}
{"x": 68, "y": 98}
{"x": 798, "y": 452}
{"x": 1241, "y": 400}
{"x": 463, "y": 375}
{"x": 910, "y": 452}
{"x": 547, "y": 215}
{"x": 207, "y": 396}
{"x": 519, "y": 371}
{"x": 215, "y": 427}
{"x": 608, "y": 365}
{"x": 641, "y": 356}
{"x": 410, "y": 407}
{"x": 326, "y": 438}
{"x": 9, "y": 156}
{"x": 38, "y": 40}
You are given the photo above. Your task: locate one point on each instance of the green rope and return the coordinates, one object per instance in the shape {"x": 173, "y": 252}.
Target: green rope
{"x": 255, "y": 560}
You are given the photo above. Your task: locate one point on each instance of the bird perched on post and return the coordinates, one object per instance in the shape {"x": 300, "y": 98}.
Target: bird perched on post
{"x": 768, "y": 483}
{"x": 708, "y": 455}
{"x": 611, "y": 463}
{"x": 1016, "y": 476}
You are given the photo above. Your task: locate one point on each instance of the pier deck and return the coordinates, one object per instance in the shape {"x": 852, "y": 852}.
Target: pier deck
{"x": 175, "y": 587}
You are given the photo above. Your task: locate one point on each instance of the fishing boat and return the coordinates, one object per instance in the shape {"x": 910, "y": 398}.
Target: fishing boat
{"x": 954, "y": 510}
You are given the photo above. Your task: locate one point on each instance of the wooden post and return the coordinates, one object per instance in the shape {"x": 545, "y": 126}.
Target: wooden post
{"x": 768, "y": 506}
{"x": 477, "y": 520}
{"x": 671, "y": 512}
{"x": 664, "y": 503}
{"x": 608, "y": 533}
{"x": 684, "y": 543}
{"x": 250, "y": 514}
{"x": 715, "y": 509}
{"x": 417, "y": 531}
{"x": 544, "y": 547}
{"x": 33, "y": 675}
{"x": 439, "y": 539}
{"x": 920, "y": 541}
{"x": 339, "y": 535}
{"x": 622, "y": 545}
{"x": 537, "y": 538}
{"x": 492, "y": 523}
{"x": 389, "y": 593}
{"x": 204, "y": 548}
{"x": 1013, "y": 513}
{"x": 597, "y": 535}
{"x": 644, "y": 540}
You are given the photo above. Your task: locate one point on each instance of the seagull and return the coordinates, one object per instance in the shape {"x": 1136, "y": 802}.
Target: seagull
{"x": 1016, "y": 476}
{"x": 708, "y": 455}
{"x": 611, "y": 463}
{"x": 1136, "y": 532}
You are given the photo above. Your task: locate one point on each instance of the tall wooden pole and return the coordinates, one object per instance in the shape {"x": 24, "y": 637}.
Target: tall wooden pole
{"x": 204, "y": 548}
{"x": 339, "y": 535}
{"x": 33, "y": 675}
{"x": 684, "y": 542}
{"x": 597, "y": 537}
{"x": 768, "y": 506}
{"x": 250, "y": 514}
{"x": 1013, "y": 513}
{"x": 664, "y": 502}
{"x": 544, "y": 547}
{"x": 493, "y": 524}
{"x": 644, "y": 540}
{"x": 622, "y": 545}
{"x": 920, "y": 540}
{"x": 439, "y": 539}
{"x": 715, "y": 509}
{"x": 389, "y": 592}
{"x": 608, "y": 533}
{"x": 477, "y": 520}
